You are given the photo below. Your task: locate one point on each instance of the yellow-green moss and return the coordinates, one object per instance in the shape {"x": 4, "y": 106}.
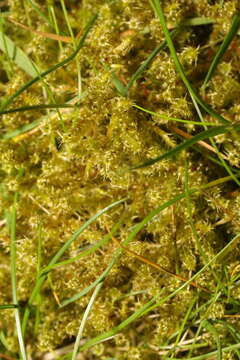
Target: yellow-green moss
{"x": 62, "y": 186}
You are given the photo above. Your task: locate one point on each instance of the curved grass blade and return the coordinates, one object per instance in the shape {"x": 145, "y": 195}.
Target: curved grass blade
{"x": 53, "y": 68}
{"x": 220, "y": 156}
{"x": 43, "y": 275}
{"x": 84, "y": 320}
{"x": 184, "y": 322}
{"x": 99, "y": 280}
{"x": 185, "y": 145}
{"x": 170, "y": 118}
{"x": 150, "y": 58}
{"x": 109, "y": 334}
{"x": 86, "y": 252}
{"x": 223, "y": 48}
{"x": 158, "y": 8}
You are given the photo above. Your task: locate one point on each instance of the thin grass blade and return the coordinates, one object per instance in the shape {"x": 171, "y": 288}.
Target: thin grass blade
{"x": 37, "y": 107}
{"x": 84, "y": 320}
{"x": 206, "y": 134}
{"x": 13, "y": 259}
{"x": 170, "y": 118}
{"x": 158, "y": 9}
{"x": 86, "y": 252}
{"x": 150, "y": 58}
{"x": 52, "y": 68}
{"x": 223, "y": 48}
{"x": 8, "y": 306}
{"x": 215, "y": 333}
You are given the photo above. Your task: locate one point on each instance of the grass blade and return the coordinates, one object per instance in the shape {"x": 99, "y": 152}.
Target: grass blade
{"x": 17, "y": 55}
{"x": 86, "y": 252}
{"x": 212, "y": 330}
{"x": 197, "y": 21}
{"x": 223, "y": 48}
{"x": 185, "y": 145}
{"x": 43, "y": 275}
{"x": 121, "y": 88}
{"x": 52, "y": 68}
{"x": 8, "y": 306}
{"x": 14, "y": 280}
{"x": 108, "y": 334}
{"x": 99, "y": 280}
{"x": 84, "y": 319}
{"x": 158, "y": 9}
{"x": 37, "y": 107}
{"x": 170, "y": 118}
{"x": 21, "y": 130}
{"x": 150, "y": 58}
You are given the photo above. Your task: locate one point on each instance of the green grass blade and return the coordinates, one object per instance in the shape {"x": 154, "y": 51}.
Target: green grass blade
{"x": 55, "y": 24}
{"x": 17, "y": 55}
{"x": 108, "y": 334}
{"x": 212, "y": 330}
{"x": 21, "y": 130}
{"x": 184, "y": 322}
{"x": 99, "y": 280}
{"x": 150, "y": 58}
{"x": 52, "y": 68}
{"x": 206, "y": 134}
{"x": 39, "y": 12}
{"x": 78, "y": 67}
{"x": 4, "y": 341}
{"x": 43, "y": 275}
{"x": 158, "y": 8}
{"x": 197, "y": 21}
{"x": 86, "y": 252}
{"x": 62, "y": 250}
{"x": 170, "y": 118}
{"x": 223, "y": 48}
{"x": 13, "y": 260}
{"x": 8, "y": 306}
{"x": 121, "y": 88}
{"x": 222, "y": 161}
{"x": 84, "y": 320}
{"x": 37, "y": 107}
{"x": 32, "y": 125}
{"x": 212, "y": 354}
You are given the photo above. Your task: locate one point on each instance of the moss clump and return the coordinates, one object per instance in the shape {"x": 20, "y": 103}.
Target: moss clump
{"x": 66, "y": 174}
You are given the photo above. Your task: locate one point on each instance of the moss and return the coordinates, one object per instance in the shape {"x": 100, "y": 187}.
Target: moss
{"x": 65, "y": 176}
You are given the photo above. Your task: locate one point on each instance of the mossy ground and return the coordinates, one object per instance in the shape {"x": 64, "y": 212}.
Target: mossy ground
{"x": 77, "y": 161}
